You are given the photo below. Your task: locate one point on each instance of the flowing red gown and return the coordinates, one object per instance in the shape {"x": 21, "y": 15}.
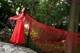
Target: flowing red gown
{"x": 18, "y": 32}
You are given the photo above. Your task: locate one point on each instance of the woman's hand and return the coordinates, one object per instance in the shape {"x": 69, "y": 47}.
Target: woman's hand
{"x": 10, "y": 19}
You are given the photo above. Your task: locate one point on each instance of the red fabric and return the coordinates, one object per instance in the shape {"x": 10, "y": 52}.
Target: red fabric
{"x": 18, "y": 33}
{"x": 49, "y": 39}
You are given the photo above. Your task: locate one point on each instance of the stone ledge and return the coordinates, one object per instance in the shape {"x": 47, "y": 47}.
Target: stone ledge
{"x": 9, "y": 48}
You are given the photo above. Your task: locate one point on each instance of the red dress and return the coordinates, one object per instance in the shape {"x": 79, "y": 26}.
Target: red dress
{"x": 18, "y": 33}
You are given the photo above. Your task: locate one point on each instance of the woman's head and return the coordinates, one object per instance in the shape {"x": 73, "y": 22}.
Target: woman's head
{"x": 23, "y": 10}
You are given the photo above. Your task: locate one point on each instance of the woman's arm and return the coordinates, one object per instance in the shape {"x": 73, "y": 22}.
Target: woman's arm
{"x": 17, "y": 17}
{"x": 11, "y": 18}
{"x": 21, "y": 15}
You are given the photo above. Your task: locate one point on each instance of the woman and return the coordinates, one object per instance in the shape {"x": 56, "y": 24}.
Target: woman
{"x": 18, "y": 33}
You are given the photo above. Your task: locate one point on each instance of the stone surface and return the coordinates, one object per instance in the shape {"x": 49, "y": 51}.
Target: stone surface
{"x": 9, "y": 48}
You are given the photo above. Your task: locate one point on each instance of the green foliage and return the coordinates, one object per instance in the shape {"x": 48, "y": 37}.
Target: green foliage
{"x": 5, "y": 12}
{"x": 49, "y": 12}
{"x": 5, "y": 34}
{"x": 26, "y": 33}
{"x": 33, "y": 46}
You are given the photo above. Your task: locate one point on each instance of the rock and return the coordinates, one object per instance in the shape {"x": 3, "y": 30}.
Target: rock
{"x": 9, "y": 48}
